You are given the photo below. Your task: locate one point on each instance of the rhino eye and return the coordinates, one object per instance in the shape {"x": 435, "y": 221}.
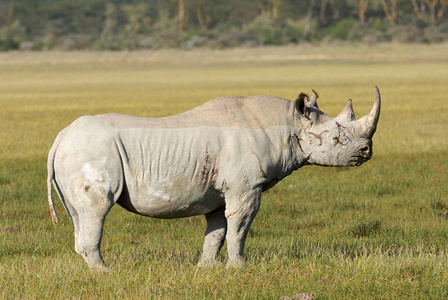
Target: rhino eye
{"x": 336, "y": 140}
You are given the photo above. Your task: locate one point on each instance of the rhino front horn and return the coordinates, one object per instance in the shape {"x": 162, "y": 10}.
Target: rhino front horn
{"x": 366, "y": 126}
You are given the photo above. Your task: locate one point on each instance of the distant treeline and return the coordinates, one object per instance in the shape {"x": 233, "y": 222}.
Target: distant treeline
{"x": 154, "y": 24}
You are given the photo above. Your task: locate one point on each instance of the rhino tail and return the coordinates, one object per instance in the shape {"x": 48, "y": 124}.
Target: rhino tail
{"x": 50, "y": 179}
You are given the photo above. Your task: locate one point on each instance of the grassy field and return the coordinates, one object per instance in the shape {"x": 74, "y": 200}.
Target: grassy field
{"x": 370, "y": 232}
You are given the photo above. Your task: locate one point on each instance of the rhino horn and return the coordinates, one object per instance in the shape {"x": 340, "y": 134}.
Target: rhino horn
{"x": 347, "y": 114}
{"x": 366, "y": 126}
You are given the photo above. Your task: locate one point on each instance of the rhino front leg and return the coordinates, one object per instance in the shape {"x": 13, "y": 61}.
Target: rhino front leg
{"x": 240, "y": 212}
{"x": 214, "y": 237}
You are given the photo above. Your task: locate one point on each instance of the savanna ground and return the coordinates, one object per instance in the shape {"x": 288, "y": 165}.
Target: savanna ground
{"x": 372, "y": 231}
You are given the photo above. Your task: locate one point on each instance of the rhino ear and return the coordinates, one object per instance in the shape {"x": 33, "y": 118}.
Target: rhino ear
{"x": 301, "y": 102}
{"x": 313, "y": 99}
{"x": 347, "y": 114}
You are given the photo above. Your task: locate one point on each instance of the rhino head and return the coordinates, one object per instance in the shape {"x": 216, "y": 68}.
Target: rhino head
{"x": 338, "y": 142}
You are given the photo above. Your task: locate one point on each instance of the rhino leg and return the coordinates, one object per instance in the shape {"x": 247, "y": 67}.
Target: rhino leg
{"x": 75, "y": 221}
{"x": 89, "y": 239}
{"x": 240, "y": 212}
{"x": 88, "y": 208}
{"x": 214, "y": 237}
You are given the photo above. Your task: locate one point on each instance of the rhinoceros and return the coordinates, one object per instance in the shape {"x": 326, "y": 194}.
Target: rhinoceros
{"x": 214, "y": 160}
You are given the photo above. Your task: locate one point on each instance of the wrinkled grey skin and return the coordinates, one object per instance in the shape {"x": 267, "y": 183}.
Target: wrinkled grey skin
{"x": 214, "y": 160}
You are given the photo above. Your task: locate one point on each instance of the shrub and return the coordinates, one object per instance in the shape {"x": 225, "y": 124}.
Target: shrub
{"x": 432, "y": 34}
{"x": 342, "y": 29}
{"x": 293, "y": 31}
{"x": 381, "y": 25}
{"x": 8, "y": 43}
{"x": 196, "y": 41}
{"x": 166, "y": 32}
{"x": 11, "y": 36}
{"x": 76, "y": 42}
{"x": 26, "y": 46}
{"x": 264, "y": 30}
{"x": 147, "y": 42}
{"x": 234, "y": 37}
{"x": 405, "y": 34}
{"x": 364, "y": 33}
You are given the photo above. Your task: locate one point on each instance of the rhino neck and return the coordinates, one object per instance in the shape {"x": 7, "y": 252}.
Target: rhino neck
{"x": 297, "y": 157}
{"x": 292, "y": 154}
{"x": 286, "y": 158}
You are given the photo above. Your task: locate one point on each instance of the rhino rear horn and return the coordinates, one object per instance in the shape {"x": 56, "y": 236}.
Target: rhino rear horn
{"x": 366, "y": 126}
{"x": 347, "y": 114}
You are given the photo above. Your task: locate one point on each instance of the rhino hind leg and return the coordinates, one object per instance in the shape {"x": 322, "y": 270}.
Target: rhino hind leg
{"x": 89, "y": 240}
{"x": 240, "y": 212}
{"x": 88, "y": 209}
{"x": 214, "y": 237}
{"x": 73, "y": 214}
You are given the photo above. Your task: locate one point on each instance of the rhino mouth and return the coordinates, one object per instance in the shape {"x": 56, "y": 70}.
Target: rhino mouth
{"x": 360, "y": 160}
{"x": 364, "y": 155}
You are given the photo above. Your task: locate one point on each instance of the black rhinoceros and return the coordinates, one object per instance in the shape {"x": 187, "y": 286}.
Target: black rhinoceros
{"x": 214, "y": 160}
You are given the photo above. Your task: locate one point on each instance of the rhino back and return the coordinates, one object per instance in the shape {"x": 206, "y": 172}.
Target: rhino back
{"x": 246, "y": 112}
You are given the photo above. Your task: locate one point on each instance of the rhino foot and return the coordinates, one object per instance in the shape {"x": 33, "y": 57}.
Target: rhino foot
{"x": 209, "y": 263}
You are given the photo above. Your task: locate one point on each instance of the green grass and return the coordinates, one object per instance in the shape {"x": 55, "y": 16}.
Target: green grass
{"x": 368, "y": 232}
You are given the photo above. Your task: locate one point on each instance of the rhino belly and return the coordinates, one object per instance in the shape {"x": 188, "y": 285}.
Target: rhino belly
{"x": 168, "y": 199}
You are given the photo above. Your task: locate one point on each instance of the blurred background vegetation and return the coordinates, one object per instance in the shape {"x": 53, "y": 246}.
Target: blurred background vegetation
{"x": 155, "y": 24}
